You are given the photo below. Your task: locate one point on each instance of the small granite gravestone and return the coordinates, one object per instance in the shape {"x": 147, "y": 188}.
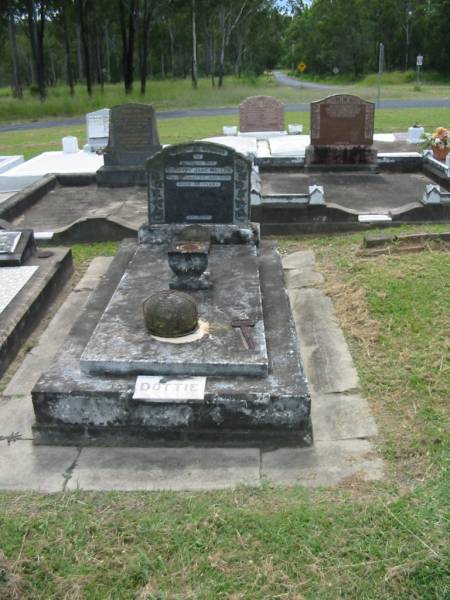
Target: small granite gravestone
{"x": 341, "y": 132}
{"x": 97, "y": 126}
{"x": 15, "y": 247}
{"x": 133, "y": 138}
{"x": 199, "y": 183}
{"x": 261, "y": 113}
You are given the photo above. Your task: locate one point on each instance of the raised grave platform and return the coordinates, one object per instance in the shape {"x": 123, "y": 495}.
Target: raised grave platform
{"x": 73, "y": 407}
{"x": 25, "y": 294}
{"x": 120, "y": 344}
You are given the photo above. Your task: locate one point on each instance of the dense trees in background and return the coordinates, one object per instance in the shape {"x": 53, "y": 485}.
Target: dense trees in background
{"x": 345, "y": 34}
{"x": 45, "y": 42}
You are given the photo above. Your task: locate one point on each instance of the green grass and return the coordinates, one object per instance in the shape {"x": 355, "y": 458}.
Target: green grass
{"x": 384, "y": 540}
{"x": 172, "y": 94}
{"x": 34, "y": 141}
{"x": 84, "y": 253}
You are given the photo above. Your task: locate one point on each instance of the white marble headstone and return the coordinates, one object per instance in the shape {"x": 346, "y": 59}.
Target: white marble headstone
{"x": 97, "y": 124}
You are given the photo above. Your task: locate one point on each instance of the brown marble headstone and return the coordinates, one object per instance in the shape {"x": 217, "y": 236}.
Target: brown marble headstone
{"x": 261, "y": 113}
{"x": 342, "y": 120}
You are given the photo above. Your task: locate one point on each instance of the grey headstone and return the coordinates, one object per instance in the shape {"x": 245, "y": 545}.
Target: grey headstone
{"x": 199, "y": 182}
{"x": 133, "y": 135}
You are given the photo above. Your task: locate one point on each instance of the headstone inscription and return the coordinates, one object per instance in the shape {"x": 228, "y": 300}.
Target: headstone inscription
{"x": 15, "y": 247}
{"x": 199, "y": 182}
{"x": 341, "y": 133}
{"x": 97, "y": 126}
{"x": 261, "y": 113}
{"x": 133, "y": 138}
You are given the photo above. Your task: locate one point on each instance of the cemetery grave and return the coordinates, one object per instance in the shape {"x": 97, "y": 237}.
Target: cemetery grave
{"x": 29, "y": 281}
{"x": 133, "y": 137}
{"x": 91, "y": 395}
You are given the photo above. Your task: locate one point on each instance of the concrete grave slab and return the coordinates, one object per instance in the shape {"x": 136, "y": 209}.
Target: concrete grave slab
{"x": 302, "y": 259}
{"x": 342, "y": 417}
{"x": 268, "y": 407}
{"x": 289, "y": 145}
{"x": 327, "y": 359}
{"x": 296, "y": 279}
{"x": 12, "y": 280}
{"x": 16, "y": 417}
{"x": 56, "y": 162}
{"x": 244, "y": 145}
{"x": 363, "y": 192}
{"x": 5, "y": 195}
{"x": 41, "y": 356}
{"x": 326, "y": 463}
{"x": 63, "y": 206}
{"x": 121, "y": 343}
{"x": 21, "y": 315}
{"x": 8, "y": 162}
{"x": 27, "y": 467}
{"x": 129, "y": 469}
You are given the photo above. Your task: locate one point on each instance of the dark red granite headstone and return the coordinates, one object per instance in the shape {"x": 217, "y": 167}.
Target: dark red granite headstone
{"x": 261, "y": 113}
{"x": 342, "y": 120}
{"x": 341, "y": 133}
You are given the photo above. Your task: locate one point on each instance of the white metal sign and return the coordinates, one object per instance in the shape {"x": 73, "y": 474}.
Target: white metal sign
{"x": 157, "y": 387}
{"x": 419, "y": 62}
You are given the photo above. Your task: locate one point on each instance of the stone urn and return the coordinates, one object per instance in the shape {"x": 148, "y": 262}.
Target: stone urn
{"x": 189, "y": 260}
{"x": 170, "y": 314}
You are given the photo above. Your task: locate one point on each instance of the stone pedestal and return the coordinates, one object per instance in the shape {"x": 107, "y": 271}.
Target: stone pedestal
{"x": 340, "y": 157}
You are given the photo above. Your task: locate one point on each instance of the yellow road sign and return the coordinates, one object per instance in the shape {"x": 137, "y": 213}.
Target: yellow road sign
{"x": 301, "y": 66}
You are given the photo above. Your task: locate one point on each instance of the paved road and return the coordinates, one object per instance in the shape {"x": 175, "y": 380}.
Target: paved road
{"x": 212, "y": 112}
{"x": 297, "y": 83}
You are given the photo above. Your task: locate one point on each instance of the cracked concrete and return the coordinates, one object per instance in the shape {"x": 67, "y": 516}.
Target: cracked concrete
{"x": 342, "y": 423}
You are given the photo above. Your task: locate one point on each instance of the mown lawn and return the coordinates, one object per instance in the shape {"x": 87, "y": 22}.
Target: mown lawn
{"x": 172, "y": 131}
{"x": 170, "y": 94}
{"x": 384, "y": 540}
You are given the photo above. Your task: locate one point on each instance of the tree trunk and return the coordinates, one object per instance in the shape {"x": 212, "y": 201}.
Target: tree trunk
{"x": 96, "y": 44}
{"x": 108, "y": 53}
{"x": 128, "y": 37}
{"x": 79, "y": 54}
{"x": 36, "y": 42}
{"x": 69, "y": 71}
{"x": 194, "y": 48}
{"x": 222, "y": 44}
{"x": 172, "y": 51}
{"x": 16, "y": 85}
{"x": 85, "y": 42}
{"x": 143, "y": 45}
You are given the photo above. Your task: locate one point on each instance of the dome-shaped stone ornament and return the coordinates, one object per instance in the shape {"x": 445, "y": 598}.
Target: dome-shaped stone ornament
{"x": 170, "y": 314}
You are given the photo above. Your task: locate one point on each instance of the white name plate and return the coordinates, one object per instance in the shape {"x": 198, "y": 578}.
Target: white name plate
{"x": 157, "y": 387}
